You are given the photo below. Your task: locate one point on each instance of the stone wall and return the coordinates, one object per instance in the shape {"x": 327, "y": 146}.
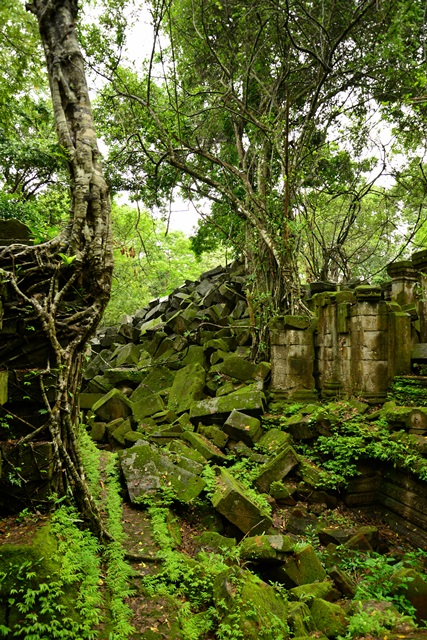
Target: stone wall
{"x": 356, "y": 341}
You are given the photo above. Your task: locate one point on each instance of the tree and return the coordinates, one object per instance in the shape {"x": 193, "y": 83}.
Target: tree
{"x": 63, "y": 285}
{"x": 245, "y": 102}
{"x": 149, "y": 261}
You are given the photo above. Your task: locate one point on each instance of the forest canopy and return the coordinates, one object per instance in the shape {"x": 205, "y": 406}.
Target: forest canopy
{"x": 296, "y": 129}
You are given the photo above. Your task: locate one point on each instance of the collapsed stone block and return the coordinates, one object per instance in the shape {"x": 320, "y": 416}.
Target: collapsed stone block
{"x": 111, "y": 406}
{"x": 236, "y": 367}
{"x": 274, "y": 440}
{"x": 204, "y": 446}
{"x": 231, "y": 500}
{"x": 157, "y": 380}
{"x": 302, "y": 567}
{"x": 252, "y": 607}
{"x": 249, "y": 399}
{"x": 328, "y": 618}
{"x": 187, "y": 387}
{"x": 241, "y": 427}
{"x": 146, "y": 470}
{"x": 266, "y": 548}
{"x": 276, "y": 469}
{"x": 147, "y": 407}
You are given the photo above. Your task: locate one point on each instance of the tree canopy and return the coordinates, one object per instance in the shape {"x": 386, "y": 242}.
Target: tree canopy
{"x": 272, "y": 112}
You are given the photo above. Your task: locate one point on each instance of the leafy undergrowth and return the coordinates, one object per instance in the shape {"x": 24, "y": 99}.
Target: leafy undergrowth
{"x": 158, "y": 579}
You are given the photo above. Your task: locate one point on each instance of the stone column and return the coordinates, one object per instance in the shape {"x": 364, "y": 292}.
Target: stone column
{"x": 404, "y": 277}
{"x": 419, "y": 260}
{"x": 369, "y": 344}
{"x": 332, "y": 342}
{"x": 292, "y": 357}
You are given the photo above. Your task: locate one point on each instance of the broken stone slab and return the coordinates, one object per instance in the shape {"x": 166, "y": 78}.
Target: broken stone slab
{"x": 132, "y": 438}
{"x": 187, "y": 387}
{"x": 307, "y": 592}
{"x": 249, "y": 605}
{"x": 300, "y": 520}
{"x": 214, "y": 540}
{"x": 186, "y": 463}
{"x": 158, "y": 379}
{"x": 273, "y": 440}
{"x": 302, "y": 567}
{"x": 241, "y": 450}
{"x": 146, "y": 470}
{"x": 111, "y": 406}
{"x": 241, "y": 427}
{"x": 215, "y": 434}
{"x": 343, "y": 582}
{"x": 328, "y": 617}
{"x": 127, "y": 354}
{"x": 117, "y": 436}
{"x": 231, "y": 500}
{"x": 195, "y": 354}
{"x": 204, "y": 446}
{"x": 262, "y": 371}
{"x": 236, "y": 367}
{"x": 215, "y": 344}
{"x": 87, "y": 400}
{"x": 98, "y": 364}
{"x": 97, "y": 431}
{"x": 409, "y": 418}
{"x": 309, "y": 472}
{"x": 275, "y": 470}
{"x": 300, "y": 621}
{"x": 117, "y": 375}
{"x": 266, "y": 548}
{"x": 334, "y": 535}
{"x": 177, "y": 446}
{"x": 300, "y": 428}
{"x": 283, "y": 494}
{"x": 147, "y": 407}
{"x": 248, "y": 400}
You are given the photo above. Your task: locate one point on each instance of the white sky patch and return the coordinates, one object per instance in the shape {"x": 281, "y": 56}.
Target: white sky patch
{"x": 139, "y": 45}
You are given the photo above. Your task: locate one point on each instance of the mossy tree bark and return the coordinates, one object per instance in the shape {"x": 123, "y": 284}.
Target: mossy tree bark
{"x": 65, "y": 284}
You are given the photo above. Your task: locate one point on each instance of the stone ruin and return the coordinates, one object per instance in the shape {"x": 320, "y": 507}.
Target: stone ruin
{"x": 174, "y": 390}
{"x": 180, "y": 372}
{"x": 357, "y": 340}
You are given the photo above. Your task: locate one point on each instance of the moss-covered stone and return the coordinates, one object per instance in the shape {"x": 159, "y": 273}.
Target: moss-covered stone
{"x": 158, "y": 379}
{"x": 118, "y": 435}
{"x": 111, "y": 406}
{"x": 231, "y": 499}
{"x": 276, "y": 469}
{"x": 177, "y": 446}
{"x": 250, "y": 605}
{"x": 146, "y": 471}
{"x": 147, "y": 407}
{"x": 303, "y": 567}
{"x": 240, "y": 426}
{"x": 273, "y": 440}
{"x": 266, "y": 548}
{"x": 410, "y": 584}
{"x": 328, "y": 618}
{"x": 300, "y": 620}
{"x": 204, "y": 446}
{"x": 215, "y": 434}
{"x": 236, "y": 367}
{"x": 248, "y": 399}
{"x": 187, "y": 387}
{"x": 307, "y": 592}
{"x": 214, "y": 540}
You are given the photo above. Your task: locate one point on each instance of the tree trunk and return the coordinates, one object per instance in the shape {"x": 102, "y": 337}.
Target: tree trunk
{"x": 64, "y": 285}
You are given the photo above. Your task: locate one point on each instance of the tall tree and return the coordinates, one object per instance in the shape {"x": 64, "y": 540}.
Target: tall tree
{"x": 245, "y": 101}
{"x": 64, "y": 285}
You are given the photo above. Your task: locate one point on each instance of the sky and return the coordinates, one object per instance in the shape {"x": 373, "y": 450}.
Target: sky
{"x": 139, "y": 38}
